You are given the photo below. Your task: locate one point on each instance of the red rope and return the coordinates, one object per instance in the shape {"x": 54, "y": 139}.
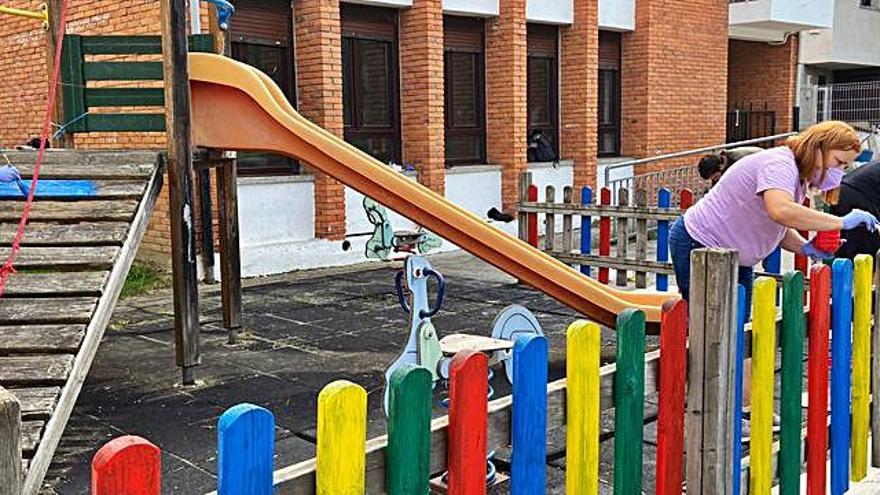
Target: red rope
{"x": 8, "y": 267}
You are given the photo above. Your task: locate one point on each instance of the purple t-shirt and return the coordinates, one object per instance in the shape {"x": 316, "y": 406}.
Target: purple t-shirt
{"x": 732, "y": 214}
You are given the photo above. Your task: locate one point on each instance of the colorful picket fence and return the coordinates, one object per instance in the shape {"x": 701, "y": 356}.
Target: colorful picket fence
{"x": 417, "y": 449}
{"x": 644, "y": 216}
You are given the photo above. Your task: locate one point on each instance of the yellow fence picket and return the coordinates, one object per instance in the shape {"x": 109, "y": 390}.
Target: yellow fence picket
{"x": 342, "y": 432}
{"x": 861, "y": 366}
{"x": 583, "y": 341}
{"x": 763, "y": 357}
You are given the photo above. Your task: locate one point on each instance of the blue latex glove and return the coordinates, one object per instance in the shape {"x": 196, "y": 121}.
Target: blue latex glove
{"x": 8, "y": 173}
{"x": 810, "y": 249}
{"x": 859, "y": 217}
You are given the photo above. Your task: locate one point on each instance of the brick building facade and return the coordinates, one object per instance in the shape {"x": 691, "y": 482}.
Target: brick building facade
{"x": 455, "y": 92}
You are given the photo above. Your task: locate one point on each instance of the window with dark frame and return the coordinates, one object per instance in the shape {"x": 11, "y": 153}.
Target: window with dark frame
{"x": 464, "y": 81}
{"x": 609, "y": 94}
{"x": 370, "y": 88}
{"x": 543, "y": 82}
{"x": 260, "y": 35}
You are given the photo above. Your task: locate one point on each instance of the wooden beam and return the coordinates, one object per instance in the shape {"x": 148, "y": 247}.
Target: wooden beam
{"x": 230, "y": 252}
{"x": 179, "y": 155}
{"x": 54, "y": 6}
{"x": 10, "y": 444}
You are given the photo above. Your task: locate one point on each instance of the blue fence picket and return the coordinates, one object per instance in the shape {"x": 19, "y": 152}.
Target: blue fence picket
{"x": 841, "y": 355}
{"x": 738, "y": 387}
{"x": 529, "y": 435}
{"x": 773, "y": 264}
{"x": 664, "y": 200}
{"x": 586, "y": 228}
{"x": 245, "y": 450}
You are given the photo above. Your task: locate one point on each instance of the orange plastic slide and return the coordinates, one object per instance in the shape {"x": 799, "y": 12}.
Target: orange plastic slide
{"x": 237, "y": 107}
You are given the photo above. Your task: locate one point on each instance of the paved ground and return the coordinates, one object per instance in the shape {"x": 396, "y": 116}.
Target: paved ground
{"x": 303, "y": 331}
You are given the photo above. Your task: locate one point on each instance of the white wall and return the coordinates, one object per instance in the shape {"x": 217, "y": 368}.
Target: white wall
{"x": 854, "y": 39}
{"x": 770, "y": 20}
{"x": 617, "y": 15}
{"x": 485, "y": 8}
{"x": 550, "y": 11}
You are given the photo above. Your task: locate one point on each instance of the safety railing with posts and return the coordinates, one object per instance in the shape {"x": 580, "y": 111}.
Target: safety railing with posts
{"x": 675, "y": 178}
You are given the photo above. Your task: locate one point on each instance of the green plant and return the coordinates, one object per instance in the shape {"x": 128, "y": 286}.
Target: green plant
{"x": 143, "y": 279}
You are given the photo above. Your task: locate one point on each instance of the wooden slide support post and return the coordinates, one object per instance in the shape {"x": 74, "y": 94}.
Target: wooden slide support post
{"x": 128, "y": 464}
{"x": 711, "y": 379}
{"x": 180, "y": 188}
{"x": 230, "y": 251}
{"x": 10, "y": 444}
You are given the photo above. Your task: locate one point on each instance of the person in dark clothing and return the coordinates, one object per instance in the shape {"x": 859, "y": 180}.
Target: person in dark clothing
{"x": 713, "y": 165}
{"x": 859, "y": 189}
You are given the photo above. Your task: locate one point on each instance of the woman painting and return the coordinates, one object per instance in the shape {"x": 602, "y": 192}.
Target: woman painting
{"x": 757, "y": 204}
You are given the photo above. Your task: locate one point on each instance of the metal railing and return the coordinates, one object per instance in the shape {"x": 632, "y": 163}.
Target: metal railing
{"x": 857, "y": 103}
{"x": 679, "y": 177}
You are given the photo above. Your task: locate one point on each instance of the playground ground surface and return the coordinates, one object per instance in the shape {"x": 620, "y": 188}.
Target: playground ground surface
{"x": 302, "y": 331}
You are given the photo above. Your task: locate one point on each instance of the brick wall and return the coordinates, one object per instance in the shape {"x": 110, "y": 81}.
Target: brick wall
{"x": 319, "y": 92}
{"x": 579, "y": 91}
{"x": 421, "y": 84}
{"x": 674, "y": 78}
{"x": 506, "y": 92}
{"x": 760, "y": 73}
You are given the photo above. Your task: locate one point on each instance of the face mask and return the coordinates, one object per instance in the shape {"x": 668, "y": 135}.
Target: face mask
{"x": 831, "y": 181}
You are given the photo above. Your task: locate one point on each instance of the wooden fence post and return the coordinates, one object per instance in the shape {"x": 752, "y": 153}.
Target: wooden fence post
{"x": 736, "y": 471}
{"x": 566, "y": 220}
{"x": 550, "y": 220}
{"x": 629, "y": 402}
{"x": 664, "y": 200}
{"x": 245, "y": 450}
{"x": 763, "y": 365}
{"x": 10, "y": 444}
{"x": 817, "y": 378}
{"x": 129, "y": 465}
{"x": 583, "y": 345}
{"x": 622, "y": 237}
{"x": 792, "y": 382}
{"x": 875, "y": 372}
{"x": 342, "y": 432}
{"x": 841, "y": 357}
{"x": 711, "y": 379}
{"x": 528, "y": 470}
{"x": 586, "y": 228}
{"x": 604, "y": 233}
{"x": 641, "y": 197}
{"x": 525, "y": 180}
{"x": 861, "y": 365}
{"x": 670, "y": 420}
{"x": 409, "y": 431}
{"x": 533, "y": 217}
{"x": 468, "y": 420}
